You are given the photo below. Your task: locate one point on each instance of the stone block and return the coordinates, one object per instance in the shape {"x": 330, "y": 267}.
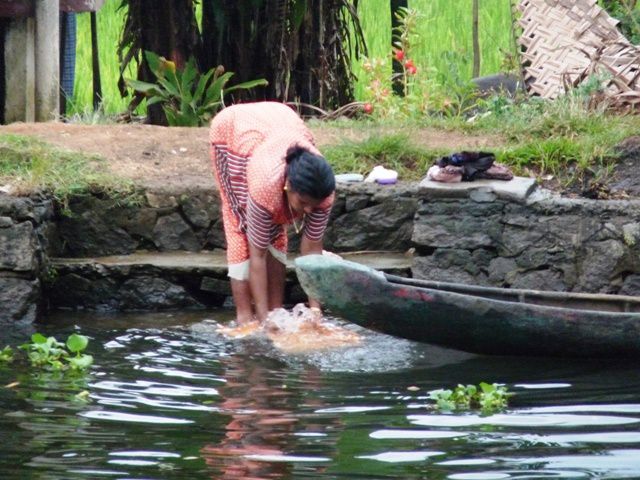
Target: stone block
{"x": 19, "y": 300}
{"x": 385, "y": 226}
{"x": 19, "y": 248}
{"x": 200, "y": 210}
{"x": 173, "y": 233}
{"x": 428, "y": 268}
{"x": 600, "y": 263}
{"x": 215, "y": 285}
{"x": 461, "y": 231}
{"x": 548, "y": 279}
{"x": 150, "y": 293}
{"x": 631, "y": 285}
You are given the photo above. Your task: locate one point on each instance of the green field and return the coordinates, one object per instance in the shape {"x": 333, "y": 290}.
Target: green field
{"x": 445, "y": 26}
{"x": 110, "y": 23}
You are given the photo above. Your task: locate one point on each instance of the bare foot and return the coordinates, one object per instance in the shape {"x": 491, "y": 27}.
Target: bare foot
{"x": 242, "y": 330}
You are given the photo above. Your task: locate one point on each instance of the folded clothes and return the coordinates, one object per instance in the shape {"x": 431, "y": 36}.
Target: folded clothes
{"x": 452, "y": 174}
{"x": 470, "y": 162}
{"x": 448, "y": 174}
{"x": 497, "y": 171}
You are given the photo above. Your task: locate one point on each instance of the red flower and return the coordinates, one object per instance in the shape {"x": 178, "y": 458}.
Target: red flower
{"x": 368, "y": 108}
{"x": 399, "y": 54}
{"x": 409, "y": 64}
{"x": 412, "y": 70}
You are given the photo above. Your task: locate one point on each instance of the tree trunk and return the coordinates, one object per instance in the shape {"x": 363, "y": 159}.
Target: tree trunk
{"x": 300, "y": 47}
{"x": 303, "y": 48}
{"x": 165, "y": 27}
{"x": 398, "y": 85}
{"x": 476, "y": 40}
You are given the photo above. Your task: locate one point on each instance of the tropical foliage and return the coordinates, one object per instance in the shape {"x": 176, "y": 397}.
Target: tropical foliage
{"x": 304, "y": 48}
{"x": 628, "y": 15}
{"x": 188, "y": 98}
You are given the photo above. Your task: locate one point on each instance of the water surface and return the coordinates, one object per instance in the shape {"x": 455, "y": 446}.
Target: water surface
{"x": 168, "y": 398}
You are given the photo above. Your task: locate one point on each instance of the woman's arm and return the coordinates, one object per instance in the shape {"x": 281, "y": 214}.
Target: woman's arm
{"x": 258, "y": 281}
{"x": 259, "y": 226}
{"x": 308, "y": 247}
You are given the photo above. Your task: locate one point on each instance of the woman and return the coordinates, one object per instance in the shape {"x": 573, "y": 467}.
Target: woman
{"x": 270, "y": 175}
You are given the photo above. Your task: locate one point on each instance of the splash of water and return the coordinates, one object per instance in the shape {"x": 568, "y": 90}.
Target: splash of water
{"x": 295, "y": 331}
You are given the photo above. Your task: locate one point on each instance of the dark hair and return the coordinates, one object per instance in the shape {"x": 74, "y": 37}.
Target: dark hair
{"x": 309, "y": 174}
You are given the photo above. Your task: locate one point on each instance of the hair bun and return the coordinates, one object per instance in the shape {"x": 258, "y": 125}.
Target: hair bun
{"x": 294, "y": 152}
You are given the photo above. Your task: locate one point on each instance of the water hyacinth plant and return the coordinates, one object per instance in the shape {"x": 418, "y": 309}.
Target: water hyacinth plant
{"x": 49, "y": 353}
{"x": 188, "y": 98}
{"x": 487, "y": 397}
{"x": 6, "y": 355}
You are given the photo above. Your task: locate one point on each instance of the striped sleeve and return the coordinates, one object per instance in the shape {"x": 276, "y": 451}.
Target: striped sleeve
{"x": 259, "y": 224}
{"x": 316, "y": 223}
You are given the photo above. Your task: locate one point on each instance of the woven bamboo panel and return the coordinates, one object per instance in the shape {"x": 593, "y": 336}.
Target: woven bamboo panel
{"x": 565, "y": 41}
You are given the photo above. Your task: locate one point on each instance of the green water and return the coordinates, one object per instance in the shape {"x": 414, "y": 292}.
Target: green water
{"x": 171, "y": 399}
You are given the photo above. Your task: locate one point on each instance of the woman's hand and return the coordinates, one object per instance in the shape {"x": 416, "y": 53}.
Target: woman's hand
{"x": 316, "y": 313}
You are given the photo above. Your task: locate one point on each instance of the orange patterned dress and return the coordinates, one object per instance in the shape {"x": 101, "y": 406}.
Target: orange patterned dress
{"x": 248, "y": 148}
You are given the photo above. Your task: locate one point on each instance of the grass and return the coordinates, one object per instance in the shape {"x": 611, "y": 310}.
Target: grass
{"x": 110, "y": 22}
{"x": 443, "y": 31}
{"x": 30, "y": 165}
{"x": 444, "y": 27}
{"x": 393, "y": 151}
{"x": 563, "y": 140}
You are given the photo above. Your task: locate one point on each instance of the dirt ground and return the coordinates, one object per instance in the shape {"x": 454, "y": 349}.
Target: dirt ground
{"x": 177, "y": 158}
{"x": 170, "y": 157}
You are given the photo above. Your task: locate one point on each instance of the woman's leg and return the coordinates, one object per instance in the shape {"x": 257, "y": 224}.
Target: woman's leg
{"x": 276, "y": 273}
{"x": 237, "y": 245}
{"x": 242, "y": 300}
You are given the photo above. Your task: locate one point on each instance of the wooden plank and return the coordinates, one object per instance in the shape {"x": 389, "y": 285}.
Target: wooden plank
{"x": 26, "y": 8}
{"x": 81, "y": 5}
{"x": 17, "y": 8}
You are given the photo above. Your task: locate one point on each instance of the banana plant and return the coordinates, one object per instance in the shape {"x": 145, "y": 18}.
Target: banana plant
{"x": 188, "y": 98}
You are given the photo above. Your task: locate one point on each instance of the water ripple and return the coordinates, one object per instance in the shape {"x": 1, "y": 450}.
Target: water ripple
{"x": 130, "y": 417}
{"x": 401, "y": 457}
{"x": 519, "y": 420}
{"x": 422, "y": 434}
{"x": 171, "y": 402}
{"x": 154, "y": 388}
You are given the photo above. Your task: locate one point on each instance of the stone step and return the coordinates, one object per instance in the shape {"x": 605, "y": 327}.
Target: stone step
{"x": 169, "y": 280}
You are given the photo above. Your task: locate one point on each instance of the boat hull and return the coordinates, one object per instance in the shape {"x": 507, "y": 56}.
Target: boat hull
{"x": 466, "y": 322}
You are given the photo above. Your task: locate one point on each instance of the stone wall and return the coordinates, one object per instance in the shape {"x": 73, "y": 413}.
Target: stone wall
{"x": 545, "y": 243}
{"x": 364, "y": 217}
{"x": 23, "y": 242}
{"x": 478, "y": 233}
{"x": 159, "y": 221}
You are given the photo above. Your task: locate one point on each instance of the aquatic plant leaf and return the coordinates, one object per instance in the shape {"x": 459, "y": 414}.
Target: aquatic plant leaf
{"x": 6, "y": 355}
{"x": 81, "y": 363}
{"x": 38, "y": 338}
{"x": 77, "y": 343}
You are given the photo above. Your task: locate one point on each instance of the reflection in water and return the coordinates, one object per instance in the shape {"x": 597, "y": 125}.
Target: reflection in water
{"x": 264, "y": 420}
{"x": 170, "y": 401}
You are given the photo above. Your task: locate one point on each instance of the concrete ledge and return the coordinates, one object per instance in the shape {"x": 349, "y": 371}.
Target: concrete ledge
{"x": 170, "y": 280}
{"x": 517, "y": 189}
{"x": 215, "y": 261}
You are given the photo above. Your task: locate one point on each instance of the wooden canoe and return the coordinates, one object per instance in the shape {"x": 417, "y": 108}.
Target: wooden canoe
{"x": 484, "y": 320}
